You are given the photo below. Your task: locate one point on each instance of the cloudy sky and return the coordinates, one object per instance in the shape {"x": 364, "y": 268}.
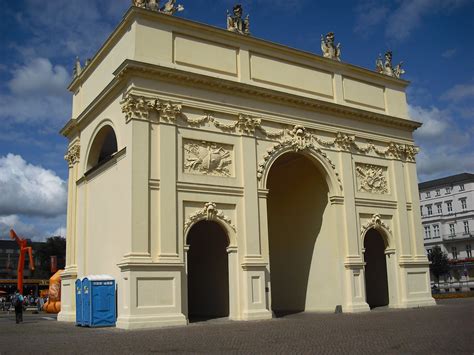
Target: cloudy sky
{"x": 39, "y": 40}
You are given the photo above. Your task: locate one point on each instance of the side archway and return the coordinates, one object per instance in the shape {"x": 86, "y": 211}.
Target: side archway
{"x": 376, "y": 275}
{"x": 211, "y": 259}
{"x": 207, "y": 271}
{"x": 102, "y": 147}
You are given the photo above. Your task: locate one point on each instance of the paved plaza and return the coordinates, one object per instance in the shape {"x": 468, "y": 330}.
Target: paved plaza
{"x": 445, "y": 329}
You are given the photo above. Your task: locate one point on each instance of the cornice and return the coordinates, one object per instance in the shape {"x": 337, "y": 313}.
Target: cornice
{"x": 135, "y": 13}
{"x": 130, "y": 68}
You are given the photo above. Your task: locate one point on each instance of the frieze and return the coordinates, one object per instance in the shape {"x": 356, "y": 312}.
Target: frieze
{"x": 208, "y": 213}
{"x": 140, "y": 107}
{"x": 371, "y": 178}
{"x": 207, "y": 158}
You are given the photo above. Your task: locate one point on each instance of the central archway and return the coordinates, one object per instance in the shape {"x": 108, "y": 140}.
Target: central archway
{"x": 301, "y": 245}
{"x": 208, "y": 271}
{"x": 376, "y": 281}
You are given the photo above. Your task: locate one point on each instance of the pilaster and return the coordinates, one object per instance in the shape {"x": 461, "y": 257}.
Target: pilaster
{"x": 69, "y": 275}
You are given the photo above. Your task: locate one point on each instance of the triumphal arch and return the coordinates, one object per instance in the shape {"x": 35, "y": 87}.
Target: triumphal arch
{"x": 214, "y": 174}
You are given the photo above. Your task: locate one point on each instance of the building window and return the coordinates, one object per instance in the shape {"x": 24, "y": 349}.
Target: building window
{"x": 469, "y": 251}
{"x": 438, "y": 192}
{"x": 421, "y": 210}
{"x": 448, "y": 190}
{"x": 439, "y": 206}
{"x": 452, "y": 230}
{"x": 428, "y": 195}
{"x": 450, "y": 206}
{"x": 436, "y": 230}
{"x": 430, "y": 210}
{"x": 427, "y": 232}
{"x": 463, "y": 204}
{"x": 461, "y": 187}
{"x": 466, "y": 227}
{"x": 454, "y": 250}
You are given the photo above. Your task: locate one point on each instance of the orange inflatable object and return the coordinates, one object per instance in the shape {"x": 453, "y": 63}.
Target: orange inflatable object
{"x": 54, "y": 301}
{"x": 21, "y": 260}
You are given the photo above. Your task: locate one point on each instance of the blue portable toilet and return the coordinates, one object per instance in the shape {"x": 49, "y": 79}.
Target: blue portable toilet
{"x": 98, "y": 301}
{"x": 78, "y": 302}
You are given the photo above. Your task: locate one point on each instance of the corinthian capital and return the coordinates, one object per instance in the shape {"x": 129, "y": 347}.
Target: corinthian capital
{"x": 73, "y": 154}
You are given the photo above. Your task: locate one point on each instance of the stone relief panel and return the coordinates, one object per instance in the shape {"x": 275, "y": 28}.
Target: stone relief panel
{"x": 208, "y": 158}
{"x": 371, "y": 178}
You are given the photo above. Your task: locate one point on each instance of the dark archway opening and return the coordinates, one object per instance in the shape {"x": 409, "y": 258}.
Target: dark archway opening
{"x": 208, "y": 272}
{"x": 376, "y": 282}
{"x": 296, "y": 203}
{"x": 103, "y": 148}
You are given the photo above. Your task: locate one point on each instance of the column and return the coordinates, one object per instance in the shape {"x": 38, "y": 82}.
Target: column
{"x": 345, "y": 212}
{"x": 69, "y": 275}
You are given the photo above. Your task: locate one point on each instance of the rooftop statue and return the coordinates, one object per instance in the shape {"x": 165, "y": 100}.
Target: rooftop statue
{"x": 387, "y": 68}
{"x": 235, "y": 22}
{"x": 170, "y": 7}
{"x": 77, "y": 68}
{"x": 328, "y": 47}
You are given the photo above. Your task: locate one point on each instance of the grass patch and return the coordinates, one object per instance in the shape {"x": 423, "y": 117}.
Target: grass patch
{"x": 442, "y": 296}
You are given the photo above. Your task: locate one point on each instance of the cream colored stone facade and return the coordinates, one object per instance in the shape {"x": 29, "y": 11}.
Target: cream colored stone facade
{"x": 205, "y": 121}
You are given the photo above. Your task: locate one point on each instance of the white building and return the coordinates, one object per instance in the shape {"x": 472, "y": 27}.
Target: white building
{"x": 447, "y": 213}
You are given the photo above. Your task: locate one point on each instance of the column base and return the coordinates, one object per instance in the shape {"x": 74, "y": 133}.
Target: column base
{"x": 356, "y": 308}
{"x": 68, "y": 295}
{"x": 257, "y": 315}
{"x": 64, "y": 316}
{"x": 150, "y": 322}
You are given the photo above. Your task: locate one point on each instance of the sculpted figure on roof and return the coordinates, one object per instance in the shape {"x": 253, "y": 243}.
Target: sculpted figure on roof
{"x": 328, "y": 47}
{"x": 385, "y": 67}
{"x": 169, "y": 8}
{"x": 235, "y": 22}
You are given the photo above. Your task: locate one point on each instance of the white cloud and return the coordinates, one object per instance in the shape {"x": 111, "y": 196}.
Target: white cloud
{"x": 37, "y": 94}
{"x": 30, "y": 190}
{"x": 459, "y": 92}
{"x": 369, "y": 14}
{"x": 14, "y": 222}
{"x": 60, "y": 232}
{"x": 434, "y": 122}
{"x": 39, "y": 76}
{"x": 410, "y": 13}
{"x": 449, "y": 53}
{"x": 446, "y": 148}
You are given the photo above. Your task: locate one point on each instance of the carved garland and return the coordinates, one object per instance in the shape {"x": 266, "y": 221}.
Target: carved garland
{"x": 73, "y": 154}
{"x": 208, "y": 213}
{"x": 376, "y": 223}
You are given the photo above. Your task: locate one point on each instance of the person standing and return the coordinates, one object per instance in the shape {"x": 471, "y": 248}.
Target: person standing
{"x": 18, "y": 304}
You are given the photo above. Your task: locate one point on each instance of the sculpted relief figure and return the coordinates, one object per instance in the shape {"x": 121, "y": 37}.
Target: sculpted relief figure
{"x": 170, "y": 7}
{"x": 235, "y": 22}
{"x": 387, "y": 68}
{"x": 328, "y": 47}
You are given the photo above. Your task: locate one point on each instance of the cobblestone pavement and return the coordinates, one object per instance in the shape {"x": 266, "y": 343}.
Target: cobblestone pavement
{"x": 445, "y": 329}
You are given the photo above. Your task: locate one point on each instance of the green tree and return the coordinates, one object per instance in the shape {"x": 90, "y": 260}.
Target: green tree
{"x": 439, "y": 262}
